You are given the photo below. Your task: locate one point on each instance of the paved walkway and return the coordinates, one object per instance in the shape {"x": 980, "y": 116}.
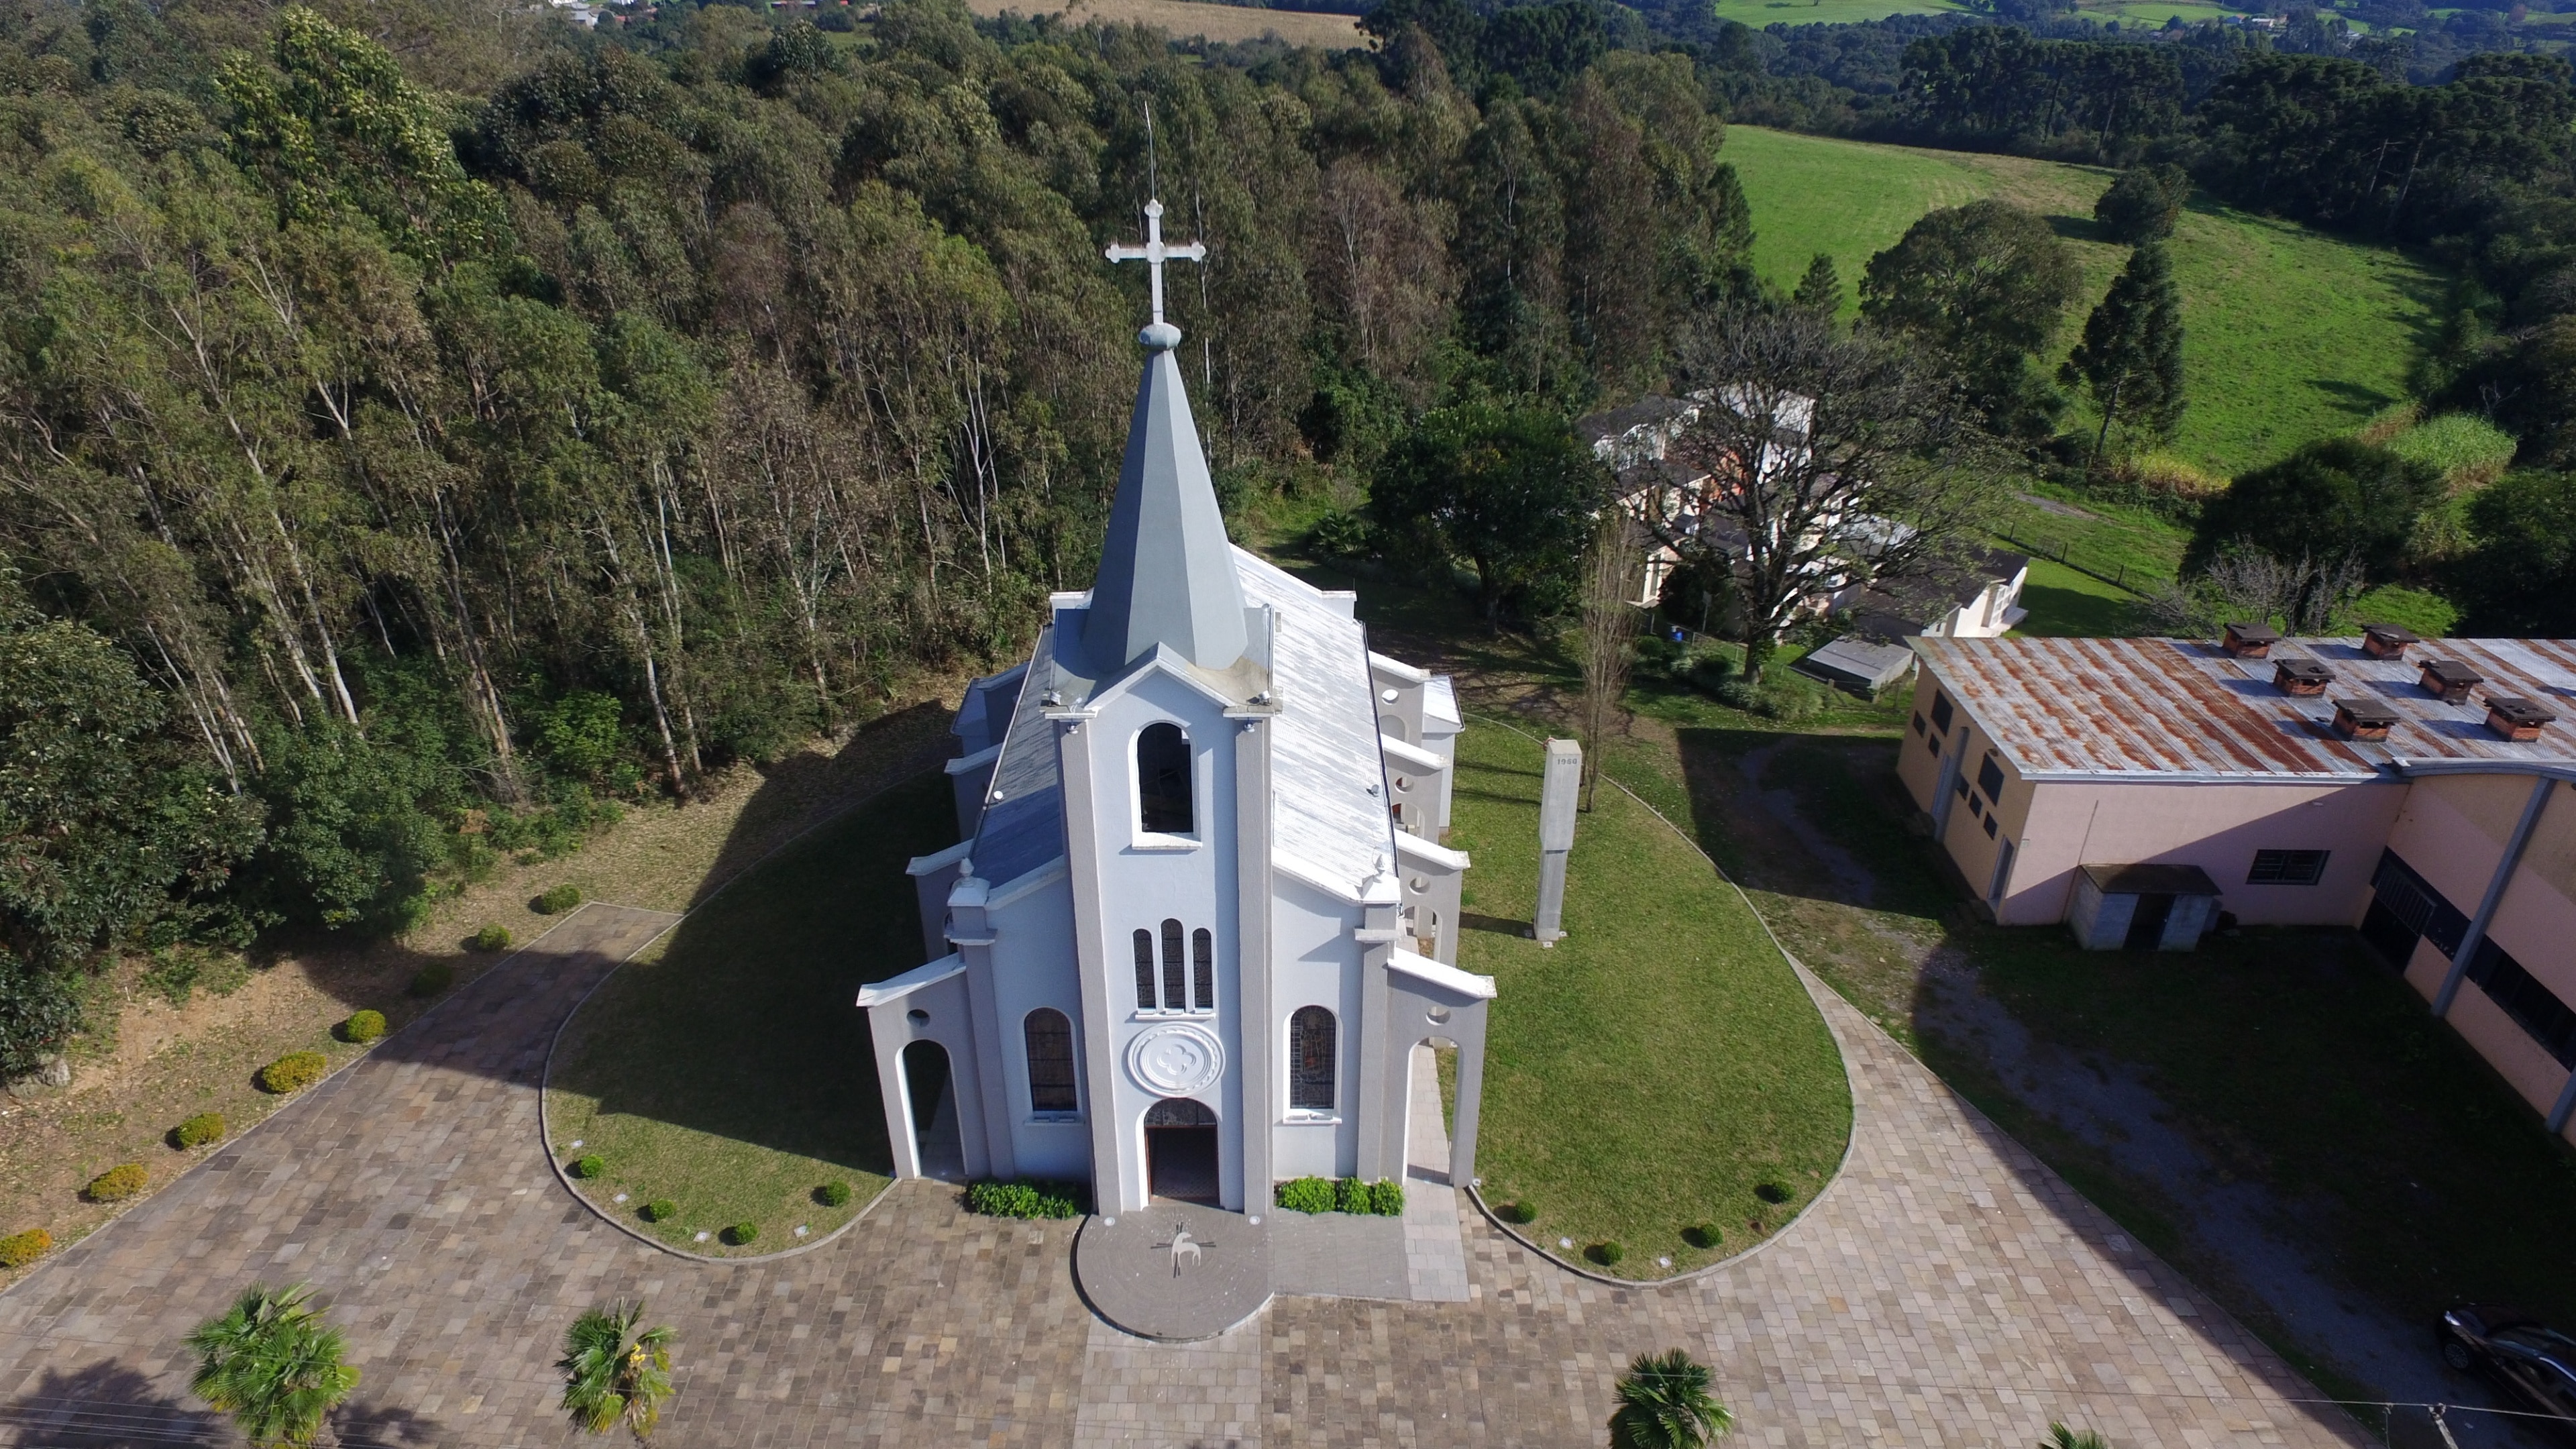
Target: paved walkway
{"x": 1946, "y": 1290}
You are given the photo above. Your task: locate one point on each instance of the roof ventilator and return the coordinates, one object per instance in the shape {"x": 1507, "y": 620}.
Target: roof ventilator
{"x": 2386, "y": 641}
{"x": 2304, "y": 677}
{"x": 2250, "y": 641}
{"x": 2515, "y": 718}
{"x": 2363, "y": 719}
{"x": 2450, "y": 681}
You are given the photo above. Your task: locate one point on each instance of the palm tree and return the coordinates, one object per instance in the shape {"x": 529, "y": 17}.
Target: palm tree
{"x": 2061, "y": 1437}
{"x": 613, "y": 1374}
{"x": 1664, "y": 1404}
{"x": 273, "y": 1365}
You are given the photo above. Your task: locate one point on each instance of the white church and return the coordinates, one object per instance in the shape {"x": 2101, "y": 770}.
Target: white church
{"x": 1201, "y": 922}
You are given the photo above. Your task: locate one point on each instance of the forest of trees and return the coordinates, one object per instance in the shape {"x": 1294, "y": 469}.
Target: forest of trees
{"x": 422, "y": 426}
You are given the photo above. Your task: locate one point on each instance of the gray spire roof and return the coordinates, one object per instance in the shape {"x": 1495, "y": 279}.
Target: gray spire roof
{"x": 1167, "y": 572}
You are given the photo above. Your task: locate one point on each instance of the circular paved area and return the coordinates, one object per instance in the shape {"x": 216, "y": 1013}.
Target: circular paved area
{"x": 1948, "y": 1290}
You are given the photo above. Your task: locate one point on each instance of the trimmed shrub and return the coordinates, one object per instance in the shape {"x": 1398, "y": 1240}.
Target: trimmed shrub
{"x": 293, "y": 1072}
{"x": 363, "y": 1027}
{"x": 833, "y": 1194}
{"x": 1350, "y": 1195}
{"x": 19, "y": 1249}
{"x": 741, "y": 1234}
{"x": 197, "y": 1131}
{"x": 1771, "y": 1192}
{"x": 1517, "y": 1213}
{"x": 1386, "y": 1198}
{"x": 432, "y": 979}
{"x": 1704, "y": 1235}
{"x": 1023, "y": 1199}
{"x": 494, "y": 937}
{"x": 1304, "y": 1195}
{"x": 117, "y": 1183}
{"x": 1605, "y": 1254}
{"x": 590, "y": 1166}
{"x": 659, "y": 1210}
{"x": 557, "y": 901}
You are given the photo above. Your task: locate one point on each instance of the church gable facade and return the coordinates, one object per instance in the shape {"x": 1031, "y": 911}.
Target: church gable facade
{"x": 1202, "y": 916}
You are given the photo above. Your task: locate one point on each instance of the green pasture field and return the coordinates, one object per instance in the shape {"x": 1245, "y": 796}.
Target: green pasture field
{"x": 1759, "y": 13}
{"x": 2291, "y": 335}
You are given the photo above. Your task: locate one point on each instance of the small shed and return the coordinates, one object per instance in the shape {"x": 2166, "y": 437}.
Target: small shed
{"x": 1859, "y": 665}
{"x": 2142, "y": 907}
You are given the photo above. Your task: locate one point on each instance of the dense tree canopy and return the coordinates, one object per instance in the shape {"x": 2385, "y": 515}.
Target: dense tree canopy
{"x": 1510, "y": 490}
{"x": 1980, "y": 288}
{"x": 2332, "y": 499}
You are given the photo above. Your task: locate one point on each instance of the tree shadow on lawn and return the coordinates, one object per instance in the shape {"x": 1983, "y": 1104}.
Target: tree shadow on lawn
{"x": 745, "y": 1026}
{"x": 804, "y": 792}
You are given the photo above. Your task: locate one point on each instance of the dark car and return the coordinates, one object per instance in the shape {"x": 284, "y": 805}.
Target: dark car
{"x": 2535, "y": 1361}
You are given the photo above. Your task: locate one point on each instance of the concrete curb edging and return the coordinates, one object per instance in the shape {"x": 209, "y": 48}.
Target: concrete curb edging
{"x": 554, "y": 1043}
{"x": 1807, "y": 982}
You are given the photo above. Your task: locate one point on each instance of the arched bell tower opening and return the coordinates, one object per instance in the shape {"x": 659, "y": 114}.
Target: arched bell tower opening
{"x": 1181, "y": 1150}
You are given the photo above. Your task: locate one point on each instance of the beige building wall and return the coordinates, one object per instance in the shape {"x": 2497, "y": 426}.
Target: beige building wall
{"x": 2215, "y": 827}
{"x": 2454, "y": 829}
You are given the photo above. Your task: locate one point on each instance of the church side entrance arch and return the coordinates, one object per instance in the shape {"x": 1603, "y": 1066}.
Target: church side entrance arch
{"x": 1181, "y": 1150}
{"x": 932, "y": 1090}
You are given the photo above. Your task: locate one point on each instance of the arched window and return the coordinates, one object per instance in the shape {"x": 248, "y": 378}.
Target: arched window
{"x": 1203, "y": 969}
{"x": 1144, "y": 970}
{"x": 1175, "y": 997}
{"x": 1163, "y": 780}
{"x": 1310, "y": 1060}
{"x": 1050, "y": 1038}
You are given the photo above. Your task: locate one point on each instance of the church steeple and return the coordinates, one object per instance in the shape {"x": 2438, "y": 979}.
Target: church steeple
{"x": 1166, "y": 569}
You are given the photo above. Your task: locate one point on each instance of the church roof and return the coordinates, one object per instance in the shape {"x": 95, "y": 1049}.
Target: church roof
{"x": 1329, "y": 820}
{"x": 1328, "y": 785}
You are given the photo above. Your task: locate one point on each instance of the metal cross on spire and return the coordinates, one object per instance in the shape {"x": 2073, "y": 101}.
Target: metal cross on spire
{"x": 1155, "y": 251}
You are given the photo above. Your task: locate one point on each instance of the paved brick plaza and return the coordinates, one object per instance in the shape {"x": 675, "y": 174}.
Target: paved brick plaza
{"x": 1947, "y": 1290}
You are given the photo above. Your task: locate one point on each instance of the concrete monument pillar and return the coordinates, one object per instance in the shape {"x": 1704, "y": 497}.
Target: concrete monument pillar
{"x": 1557, "y": 793}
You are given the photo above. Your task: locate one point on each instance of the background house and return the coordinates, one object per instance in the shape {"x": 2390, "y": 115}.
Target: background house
{"x": 1980, "y": 597}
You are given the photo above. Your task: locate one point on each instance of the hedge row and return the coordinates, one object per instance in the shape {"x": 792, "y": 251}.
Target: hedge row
{"x": 1382, "y": 1198}
{"x": 1028, "y": 1199}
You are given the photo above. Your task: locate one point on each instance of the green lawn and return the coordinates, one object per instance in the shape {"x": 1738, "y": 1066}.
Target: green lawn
{"x": 2064, "y": 604}
{"x": 1661, "y": 1064}
{"x": 731, "y": 1073}
{"x": 2290, "y": 334}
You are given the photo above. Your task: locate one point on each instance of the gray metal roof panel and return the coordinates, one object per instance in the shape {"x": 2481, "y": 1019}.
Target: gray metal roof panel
{"x": 1328, "y": 806}
{"x": 2163, "y": 707}
{"x": 1166, "y": 568}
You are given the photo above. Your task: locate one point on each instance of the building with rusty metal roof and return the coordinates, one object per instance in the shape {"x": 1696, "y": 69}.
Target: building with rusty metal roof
{"x": 2416, "y": 790}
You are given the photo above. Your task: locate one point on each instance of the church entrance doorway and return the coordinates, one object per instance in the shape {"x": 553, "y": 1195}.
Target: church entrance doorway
{"x": 1180, "y": 1150}
{"x": 935, "y": 1134}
